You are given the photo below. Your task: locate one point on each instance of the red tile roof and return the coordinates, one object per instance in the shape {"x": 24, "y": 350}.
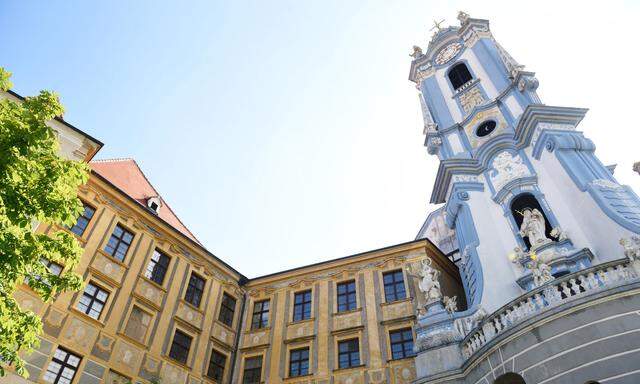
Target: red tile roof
{"x": 126, "y": 175}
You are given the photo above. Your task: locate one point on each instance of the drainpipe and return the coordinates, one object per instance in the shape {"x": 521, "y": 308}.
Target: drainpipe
{"x": 236, "y": 343}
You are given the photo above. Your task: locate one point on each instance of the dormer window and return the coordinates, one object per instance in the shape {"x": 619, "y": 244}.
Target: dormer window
{"x": 154, "y": 203}
{"x": 459, "y": 76}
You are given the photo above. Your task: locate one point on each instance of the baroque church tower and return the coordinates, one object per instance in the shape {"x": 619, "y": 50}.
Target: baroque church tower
{"x": 504, "y": 154}
{"x": 524, "y": 198}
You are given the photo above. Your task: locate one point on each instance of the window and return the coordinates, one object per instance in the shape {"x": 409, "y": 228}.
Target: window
{"x": 180, "y": 347}
{"x": 394, "y": 286}
{"x": 93, "y": 300}
{"x": 348, "y": 353}
{"x": 299, "y": 362}
{"x": 227, "y": 309}
{"x": 119, "y": 243}
{"x": 138, "y": 324}
{"x": 216, "y": 365}
{"x": 485, "y": 128}
{"x": 347, "y": 296}
{"x": 157, "y": 267}
{"x": 260, "y": 318}
{"x": 401, "y": 343}
{"x": 252, "y": 370}
{"x": 83, "y": 220}
{"x": 194, "y": 290}
{"x": 62, "y": 368}
{"x": 302, "y": 305}
{"x": 53, "y": 267}
{"x": 459, "y": 75}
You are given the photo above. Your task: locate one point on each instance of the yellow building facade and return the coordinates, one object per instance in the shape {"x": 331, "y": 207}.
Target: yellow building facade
{"x": 157, "y": 307}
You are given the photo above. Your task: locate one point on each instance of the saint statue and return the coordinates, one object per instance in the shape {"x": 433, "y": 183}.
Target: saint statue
{"x": 429, "y": 284}
{"x": 533, "y": 227}
{"x": 541, "y": 272}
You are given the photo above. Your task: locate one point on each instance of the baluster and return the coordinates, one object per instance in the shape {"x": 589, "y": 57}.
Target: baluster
{"x": 593, "y": 282}
{"x": 539, "y": 302}
{"x": 566, "y": 290}
{"x": 497, "y": 325}
{"x": 584, "y": 283}
{"x": 575, "y": 288}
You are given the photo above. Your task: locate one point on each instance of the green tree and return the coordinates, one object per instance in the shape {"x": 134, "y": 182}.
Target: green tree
{"x": 36, "y": 186}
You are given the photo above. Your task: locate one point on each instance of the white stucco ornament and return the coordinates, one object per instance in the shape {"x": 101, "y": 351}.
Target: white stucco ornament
{"x": 447, "y": 53}
{"x": 541, "y": 272}
{"x": 450, "y": 303}
{"x": 533, "y": 227}
{"x": 506, "y": 167}
{"x": 631, "y": 248}
{"x": 429, "y": 284}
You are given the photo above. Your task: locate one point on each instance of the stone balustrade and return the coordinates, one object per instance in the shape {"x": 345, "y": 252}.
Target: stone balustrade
{"x": 547, "y": 296}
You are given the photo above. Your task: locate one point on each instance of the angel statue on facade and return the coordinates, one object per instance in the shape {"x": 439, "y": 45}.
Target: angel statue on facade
{"x": 631, "y": 247}
{"x": 429, "y": 284}
{"x": 541, "y": 272}
{"x": 533, "y": 227}
{"x": 450, "y": 304}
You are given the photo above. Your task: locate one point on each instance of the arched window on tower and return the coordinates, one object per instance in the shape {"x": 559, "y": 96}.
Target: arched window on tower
{"x": 459, "y": 75}
{"x": 522, "y": 203}
{"x": 510, "y": 378}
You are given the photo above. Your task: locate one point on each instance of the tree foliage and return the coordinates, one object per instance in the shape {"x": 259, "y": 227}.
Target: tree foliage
{"x": 36, "y": 186}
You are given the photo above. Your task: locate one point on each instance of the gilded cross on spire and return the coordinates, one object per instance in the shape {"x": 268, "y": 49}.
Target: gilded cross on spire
{"x": 436, "y": 26}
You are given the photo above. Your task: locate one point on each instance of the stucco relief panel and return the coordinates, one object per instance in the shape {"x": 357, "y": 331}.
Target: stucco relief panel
{"x": 298, "y": 330}
{"x": 79, "y": 334}
{"x": 403, "y": 372}
{"x": 256, "y": 338}
{"x": 108, "y": 267}
{"x": 127, "y": 357}
{"x": 173, "y": 375}
{"x": 349, "y": 377}
{"x": 149, "y": 292}
{"x": 223, "y": 334}
{"x": 28, "y": 302}
{"x": 506, "y": 167}
{"x": 189, "y": 315}
{"x": 397, "y": 310}
{"x": 347, "y": 320}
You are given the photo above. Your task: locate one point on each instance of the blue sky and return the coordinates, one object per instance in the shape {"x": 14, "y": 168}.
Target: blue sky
{"x": 286, "y": 132}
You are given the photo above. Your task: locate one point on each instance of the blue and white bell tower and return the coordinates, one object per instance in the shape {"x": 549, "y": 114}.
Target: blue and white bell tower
{"x": 517, "y": 178}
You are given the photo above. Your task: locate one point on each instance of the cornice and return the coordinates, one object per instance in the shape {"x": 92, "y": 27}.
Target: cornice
{"x": 524, "y": 133}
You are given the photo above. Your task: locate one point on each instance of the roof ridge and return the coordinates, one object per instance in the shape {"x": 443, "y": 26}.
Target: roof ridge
{"x": 162, "y": 198}
{"x": 113, "y": 160}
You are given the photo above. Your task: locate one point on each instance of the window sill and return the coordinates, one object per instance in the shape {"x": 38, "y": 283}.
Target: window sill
{"x": 225, "y": 326}
{"x": 255, "y": 330}
{"x": 188, "y": 304}
{"x": 132, "y": 340}
{"x": 347, "y": 312}
{"x": 407, "y": 358}
{"x": 355, "y": 367}
{"x": 309, "y": 320}
{"x": 148, "y": 280}
{"x": 179, "y": 363}
{"x": 294, "y": 378}
{"x": 84, "y": 316}
{"x": 111, "y": 258}
{"x": 406, "y": 299}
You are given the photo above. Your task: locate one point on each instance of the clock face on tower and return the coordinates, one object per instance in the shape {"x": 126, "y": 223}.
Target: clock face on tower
{"x": 447, "y": 53}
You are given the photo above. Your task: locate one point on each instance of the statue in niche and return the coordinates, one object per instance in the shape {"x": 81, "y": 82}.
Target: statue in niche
{"x": 533, "y": 227}
{"x": 429, "y": 284}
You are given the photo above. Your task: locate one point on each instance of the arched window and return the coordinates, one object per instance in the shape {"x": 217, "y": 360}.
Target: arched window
{"x": 510, "y": 378}
{"x": 527, "y": 201}
{"x": 459, "y": 75}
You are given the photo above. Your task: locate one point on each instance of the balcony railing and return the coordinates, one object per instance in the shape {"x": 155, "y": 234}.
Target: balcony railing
{"x": 550, "y": 295}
